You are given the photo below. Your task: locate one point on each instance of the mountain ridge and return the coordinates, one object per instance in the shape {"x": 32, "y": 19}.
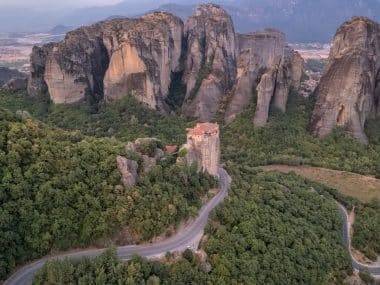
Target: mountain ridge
{"x": 301, "y": 20}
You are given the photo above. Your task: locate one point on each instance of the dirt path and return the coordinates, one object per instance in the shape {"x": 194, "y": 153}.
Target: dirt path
{"x": 364, "y": 188}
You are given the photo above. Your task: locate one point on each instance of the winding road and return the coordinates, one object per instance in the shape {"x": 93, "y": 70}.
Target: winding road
{"x": 189, "y": 237}
{"x": 373, "y": 270}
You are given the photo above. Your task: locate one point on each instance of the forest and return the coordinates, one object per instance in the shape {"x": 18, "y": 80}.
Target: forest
{"x": 286, "y": 140}
{"x": 239, "y": 234}
{"x": 272, "y": 229}
{"x": 61, "y": 189}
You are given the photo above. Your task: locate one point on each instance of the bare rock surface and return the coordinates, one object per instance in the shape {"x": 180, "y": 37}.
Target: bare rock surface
{"x": 111, "y": 59}
{"x": 265, "y": 91}
{"x": 348, "y": 93}
{"x": 210, "y": 67}
{"x": 268, "y": 68}
{"x": 148, "y": 163}
{"x": 154, "y": 56}
{"x": 149, "y": 150}
{"x": 128, "y": 169}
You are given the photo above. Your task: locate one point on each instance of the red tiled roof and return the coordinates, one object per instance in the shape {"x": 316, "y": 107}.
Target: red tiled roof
{"x": 203, "y": 128}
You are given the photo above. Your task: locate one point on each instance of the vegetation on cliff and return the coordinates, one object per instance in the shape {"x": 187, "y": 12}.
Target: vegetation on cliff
{"x": 125, "y": 119}
{"x": 286, "y": 140}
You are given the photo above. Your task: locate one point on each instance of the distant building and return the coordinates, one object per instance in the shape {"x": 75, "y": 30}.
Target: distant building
{"x": 203, "y": 147}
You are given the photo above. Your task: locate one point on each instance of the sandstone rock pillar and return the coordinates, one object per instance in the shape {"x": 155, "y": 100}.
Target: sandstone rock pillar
{"x": 203, "y": 147}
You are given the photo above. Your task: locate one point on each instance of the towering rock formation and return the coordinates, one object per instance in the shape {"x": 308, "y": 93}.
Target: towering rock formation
{"x": 111, "y": 59}
{"x": 114, "y": 58}
{"x": 265, "y": 65}
{"x": 203, "y": 147}
{"x": 349, "y": 91}
{"x": 210, "y": 67}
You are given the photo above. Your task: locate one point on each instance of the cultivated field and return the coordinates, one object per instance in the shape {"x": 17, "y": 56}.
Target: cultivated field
{"x": 364, "y": 188}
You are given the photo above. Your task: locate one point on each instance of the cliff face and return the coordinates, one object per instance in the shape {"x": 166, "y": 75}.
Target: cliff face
{"x": 210, "y": 66}
{"x": 110, "y": 60}
{"x": 348, "y": 93}
{"x": 141, "y": 56}
{"x": 265, "y": 65}
{"x": 71, "y": 70}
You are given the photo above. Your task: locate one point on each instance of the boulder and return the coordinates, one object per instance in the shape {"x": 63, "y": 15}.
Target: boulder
{"x": 128, "y": 169}
{"x": 148, "y": 163}
{"x": 149, "y": 149}
{"x": 348, "y": 93}
{"x": 210, "y": 65}
{"x": 23, "y": 115}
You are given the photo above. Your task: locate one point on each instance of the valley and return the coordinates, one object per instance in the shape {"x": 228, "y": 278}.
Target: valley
{"x": 15, "y": 49}
{"x": 163, "y": 150}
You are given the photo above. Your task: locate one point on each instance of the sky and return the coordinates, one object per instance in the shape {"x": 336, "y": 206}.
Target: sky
{"x": 56, "y": 3}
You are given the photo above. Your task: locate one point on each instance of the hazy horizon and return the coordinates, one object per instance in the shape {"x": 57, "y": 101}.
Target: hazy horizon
{"x": 41, "y": 16}
{"x": 49, "y": 4}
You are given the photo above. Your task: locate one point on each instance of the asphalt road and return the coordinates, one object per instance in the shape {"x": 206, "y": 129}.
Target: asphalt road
{"x": 189, "y": 237}
{"x": 374, "y": 270}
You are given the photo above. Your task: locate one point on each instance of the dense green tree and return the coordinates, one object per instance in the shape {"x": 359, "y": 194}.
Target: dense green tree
{"x": 270, "y": 223}
{"x": 367, "y": 229}
{"x": 62, "y": 189}
{"x": 273, "y": 229}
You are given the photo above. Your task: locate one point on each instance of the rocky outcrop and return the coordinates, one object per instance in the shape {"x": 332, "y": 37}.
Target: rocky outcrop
{"x": 210, "y": 66}
{"x": 297, "y": 68}
{"x": 156, "y": 54}
{"x": 109, "y": 60}
{"x": 268, "y": 68}
{"x": 72, "y": 70}
{"x": 128, "y": 169}
{"x": 149, "y": 150}
{"x": 203, "y": 147}
{"x": 348, "y": 93}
